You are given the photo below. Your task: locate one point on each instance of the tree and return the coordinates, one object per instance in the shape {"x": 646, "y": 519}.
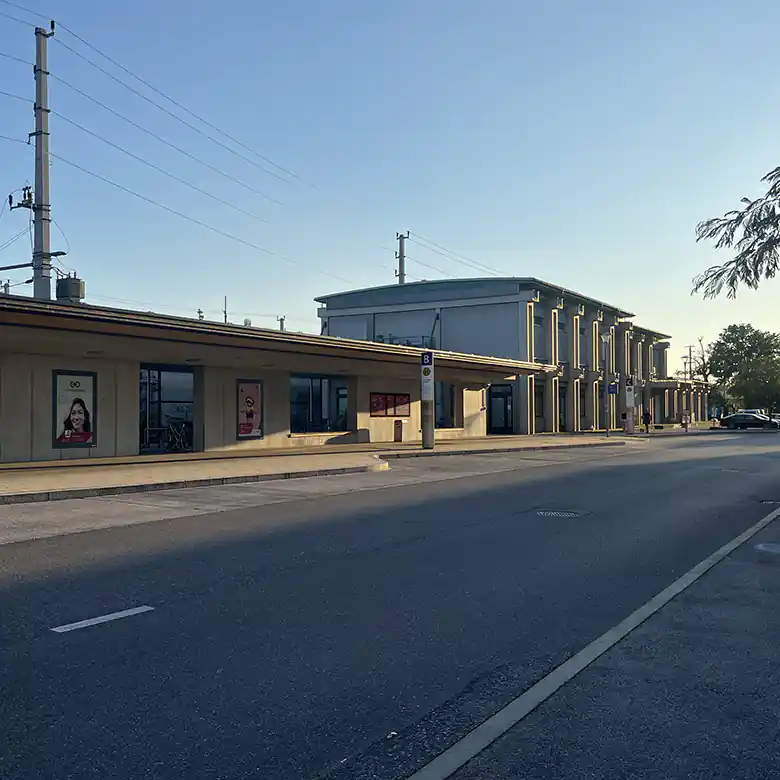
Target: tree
{"x": 758, "y": 385}
{"x": 745, "y": 362}
{"x": 701, "y": 368}
{"x": 753, "y": 232}
{"x": 740, "y": 346}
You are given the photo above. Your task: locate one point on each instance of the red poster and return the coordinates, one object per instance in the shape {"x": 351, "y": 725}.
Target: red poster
{"x": 250, "y": 410}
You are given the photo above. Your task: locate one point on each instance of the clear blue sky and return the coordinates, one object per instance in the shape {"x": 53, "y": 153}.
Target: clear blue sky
{"x": 578, "y": 142}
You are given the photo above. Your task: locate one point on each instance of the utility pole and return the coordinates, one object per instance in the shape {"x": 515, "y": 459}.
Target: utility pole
{"x": 224, "y": 310}
{"x": 690, "y": 361}
{"x": 281, "y": 322}
{"x": 400, "y": 255}
{"x": 41, "y": 206}
{"x": 6, "y": 288}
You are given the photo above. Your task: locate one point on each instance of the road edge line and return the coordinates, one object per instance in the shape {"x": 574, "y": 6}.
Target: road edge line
{"x": 460, "y": 753}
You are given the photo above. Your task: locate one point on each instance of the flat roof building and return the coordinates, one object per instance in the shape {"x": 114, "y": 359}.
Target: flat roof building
{"x": 79, "y": 381}
{"x": 534, "y": 321}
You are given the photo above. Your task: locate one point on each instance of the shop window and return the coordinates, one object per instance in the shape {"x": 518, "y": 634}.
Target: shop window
{"x": 445, "y": 405}
{"x": 391, "y": 405}
{"x": 318, "y": 404}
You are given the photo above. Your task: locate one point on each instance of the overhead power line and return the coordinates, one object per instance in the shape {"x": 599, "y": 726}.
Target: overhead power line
{"x": 154, "y": 103}
{"x": 188, "y": 218}
{"x": 14, "y": 239}
{"x": 16, "y": 97}
{"x": 184, "y": 108}
{"x": 22, "y": 8}
{"x": 15, "y": 58}
{"x": 16, "y": 19}
{"x": 157, "y": 91}
{"x": 427, "y": 265}
{"x": 164, "y": 141}
{"x": 14, "y": 140}
{"x": 455, "y": 256}
{"x": 159, "y": 169}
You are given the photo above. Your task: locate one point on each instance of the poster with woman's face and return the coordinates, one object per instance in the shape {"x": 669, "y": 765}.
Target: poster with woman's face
{"x": 250, "y": 409}
{"x": 75, "y": 413}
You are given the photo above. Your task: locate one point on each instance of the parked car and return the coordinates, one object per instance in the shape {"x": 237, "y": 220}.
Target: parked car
{"x": 744, "y": 420}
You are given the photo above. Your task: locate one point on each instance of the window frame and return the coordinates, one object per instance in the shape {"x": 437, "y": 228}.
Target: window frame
{"x": 384, "y": 409}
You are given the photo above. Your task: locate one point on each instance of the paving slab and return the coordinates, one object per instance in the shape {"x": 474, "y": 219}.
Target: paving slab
{"x": 49, "y": 481}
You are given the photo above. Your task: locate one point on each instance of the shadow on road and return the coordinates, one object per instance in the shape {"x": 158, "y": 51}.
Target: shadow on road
{"x": 288, "y": 637}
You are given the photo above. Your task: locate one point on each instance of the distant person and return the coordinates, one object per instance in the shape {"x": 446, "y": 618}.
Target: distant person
{"x": 646, "y": 419}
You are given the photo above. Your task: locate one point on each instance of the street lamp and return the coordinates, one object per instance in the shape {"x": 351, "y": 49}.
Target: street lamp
{"x": 606, "y": 340}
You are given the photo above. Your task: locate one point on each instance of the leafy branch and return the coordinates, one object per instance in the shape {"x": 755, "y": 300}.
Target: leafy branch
{"x": 753, "y": 232}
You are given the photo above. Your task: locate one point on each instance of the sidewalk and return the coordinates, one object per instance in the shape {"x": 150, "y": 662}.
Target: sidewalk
{"x": 53, "y": 480}
{"x": 690, "y": 694}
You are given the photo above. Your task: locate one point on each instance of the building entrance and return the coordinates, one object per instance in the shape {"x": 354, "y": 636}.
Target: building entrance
{"x": 499, "y": 411}
{"x": 167, "y": 404}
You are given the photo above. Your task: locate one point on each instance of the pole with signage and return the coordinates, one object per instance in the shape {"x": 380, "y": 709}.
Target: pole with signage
{"x": 428, "y": 399}
{"x": 630, "y": 400}
{"x": 606, "y": 340}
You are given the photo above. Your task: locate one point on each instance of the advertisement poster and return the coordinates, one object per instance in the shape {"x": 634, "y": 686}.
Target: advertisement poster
{"x": 75, "y": 409}
{"x": 250, "y": 409}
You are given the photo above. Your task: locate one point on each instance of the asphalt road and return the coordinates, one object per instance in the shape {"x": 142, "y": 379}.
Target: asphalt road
{"x": 350, "y": 627}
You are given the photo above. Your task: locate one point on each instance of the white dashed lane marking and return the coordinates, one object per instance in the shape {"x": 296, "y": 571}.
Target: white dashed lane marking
{"x": 102, "y": 619}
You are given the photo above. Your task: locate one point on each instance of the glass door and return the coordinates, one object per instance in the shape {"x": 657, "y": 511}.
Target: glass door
{"x": 166, "y": 409}
{"x": 562, "y": 408}
{"x": 500, "y": 415}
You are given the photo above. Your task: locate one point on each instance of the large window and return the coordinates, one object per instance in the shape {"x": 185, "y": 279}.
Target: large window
{"x": 166, "y": 407}
{"x": 563, "y": 342}
{"x": 391, "y": 405}
{"x": 445, "y": 405}
{"x": 318, "y": 404}
{"x": 541, "y": 350}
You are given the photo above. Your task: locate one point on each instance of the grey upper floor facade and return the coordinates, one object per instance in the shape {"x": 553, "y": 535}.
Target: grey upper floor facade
{"x": 519, "y": 318}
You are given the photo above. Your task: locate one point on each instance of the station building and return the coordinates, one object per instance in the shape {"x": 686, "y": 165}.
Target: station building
{"x": 592, "y": 346}
{"x": 81, "y": 381}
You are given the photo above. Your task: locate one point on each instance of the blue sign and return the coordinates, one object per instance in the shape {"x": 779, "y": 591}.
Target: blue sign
{"x": 426, "y": 359}
{"x": 613, "y": 388}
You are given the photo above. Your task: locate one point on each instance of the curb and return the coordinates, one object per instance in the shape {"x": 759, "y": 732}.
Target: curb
{"x": 492, "y": 451}
{"x": 40, "y": 496}
{"x": 117, "y": 490}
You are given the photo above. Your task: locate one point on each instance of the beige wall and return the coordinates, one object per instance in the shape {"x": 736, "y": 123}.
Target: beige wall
{"x": 26, "y": 409}
{"x": 382, "y": 428}
{"x": 218, "y": 407}
{"x": 26, "y": 425}
{"x": 471, "y": 415}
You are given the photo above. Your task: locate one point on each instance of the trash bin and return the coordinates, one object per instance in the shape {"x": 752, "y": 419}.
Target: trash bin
{"x": 398, "y": 430}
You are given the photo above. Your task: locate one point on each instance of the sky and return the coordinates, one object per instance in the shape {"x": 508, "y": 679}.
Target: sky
{"x": 578, "y": 142}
